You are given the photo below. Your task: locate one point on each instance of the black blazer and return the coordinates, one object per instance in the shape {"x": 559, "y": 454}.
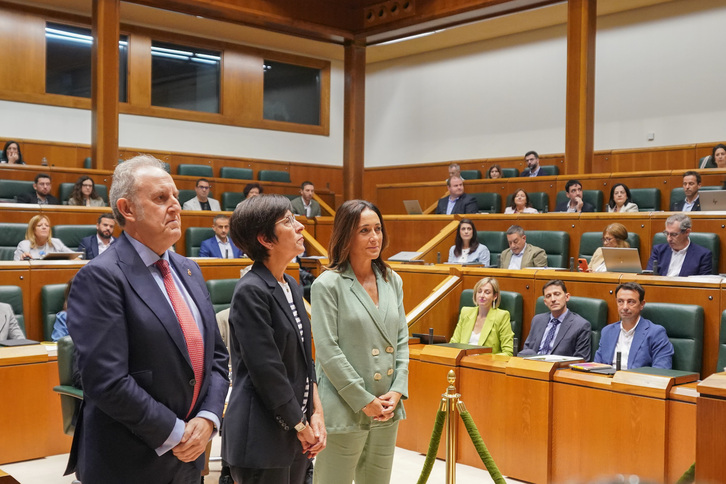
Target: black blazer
{"x": 465, "y": 204}
{"x": 678, "y": 206}
{"x": 89, "y": 246}
{"x": 135, "y": 367}
{"x": 573, "y": 338}
{"x": 33, "y": 198}
{"x": 539, "y": 173}
{"x": 562, "y": 206}
{"x": 270, "y": 364}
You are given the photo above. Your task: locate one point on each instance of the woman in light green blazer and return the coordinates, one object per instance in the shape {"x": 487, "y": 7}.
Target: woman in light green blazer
{"x": 361, "y": 348}
{"x": 485, "y": 324}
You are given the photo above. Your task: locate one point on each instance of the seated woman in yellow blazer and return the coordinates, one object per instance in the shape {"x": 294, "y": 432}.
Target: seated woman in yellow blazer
{"x": 485, "y": 324}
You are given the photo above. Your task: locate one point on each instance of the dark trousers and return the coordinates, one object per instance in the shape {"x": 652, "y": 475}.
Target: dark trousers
{"x": 295, "y": 474}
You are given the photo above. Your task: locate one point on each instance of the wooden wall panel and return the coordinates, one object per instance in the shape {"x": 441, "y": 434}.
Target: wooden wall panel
{"x": 22, "y": 52}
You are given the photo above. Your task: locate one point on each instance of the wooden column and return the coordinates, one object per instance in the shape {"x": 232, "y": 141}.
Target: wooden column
{"x": 579, "y": 128}
{"x": 354, "y": 119}
{"x": 104, "y": 83}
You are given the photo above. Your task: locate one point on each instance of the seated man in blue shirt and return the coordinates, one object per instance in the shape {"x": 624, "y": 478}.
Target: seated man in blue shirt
{"x": 457, "y": 201}
{"x": 680, "y": 257}
{"x": 220, "y": 246}
{"x": 639, "y": 341}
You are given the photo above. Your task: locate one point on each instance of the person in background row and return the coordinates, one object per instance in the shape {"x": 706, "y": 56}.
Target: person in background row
{"x": 95, "y": 245}
{"x": 9, "y": 326}
{"x": 718, "y": 156}
{"x": 614, "y": 235}
{"x": 485, "y": 324}
{"x": 60, "y": 326}
{"x": 620, "y": 199}
{"x": 457, "y": 201}
{"x": 520, "y": 204}
{"x": 304, "y": 204}
{"x": 679, "y": 256}
{"x": 454, "y": 170}
{"x": 11, "y": 154}
{"x": 41, "y": 192}
{"x": 466, "y": 248}
{"x": 38, "y": 240}
{"x": 520, "y": 254}
{"x": 252, "y": 190}
{"x": 533, "y": 168}
{"x": 202, "y": 200}
{"x": 691, "y": 186}
{"x": 574, "y": 202}
{"x": 84, "y": 194}
{"x": 219, "y": 246}
{"x": 494, "y": 171}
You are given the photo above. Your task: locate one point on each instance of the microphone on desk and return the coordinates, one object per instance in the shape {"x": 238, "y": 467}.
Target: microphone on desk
{"x": 438, "y": 257}
{"x": 515, "y": 346}
{"x": 655, "y": 267}
{"x": 617, "y": 361}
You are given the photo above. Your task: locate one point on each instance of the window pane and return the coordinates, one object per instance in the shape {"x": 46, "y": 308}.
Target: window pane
{"x": 68, "y": 61}
{"x": 185, "y": 77}
{"x": 292, "y": 93}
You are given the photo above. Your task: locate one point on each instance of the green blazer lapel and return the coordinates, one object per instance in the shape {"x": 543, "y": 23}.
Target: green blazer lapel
{"x": 487, "y": 328}
{"x": 366, "y": 301}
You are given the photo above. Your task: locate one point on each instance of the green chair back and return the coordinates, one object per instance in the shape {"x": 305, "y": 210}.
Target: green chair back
{"x": 550, "y": 170}
{"x": 470, "y": 174}
{"x": 684, "y": 325}
{"x": 11, "y": 235}
{"x": 230, "y": 200}
{"x": 593, "y": 197}
{"x": 220, "y": 292}
{"x": 722, "y": 345}
{"x": 539, "y": 200}
{"x": 194, "y": 237}
{"x": 708, "y": 240}
{"x": 590, "y": 241}
{"x": 647, "y": 199}
{"x": 186, "y": 195}
{"x": 510, "y": 173}
{"x": 51, "y": 301}
{"x": 496, "y": 242}
{"x": 88, "y": 163}
{"x": 510, "y": 301}
{"x": 677, "y": 194}
{"x": 555, "y": 243}
{"x": 236, "y": 173}
{"x": 70, "y": 395}
{"x": 10, "y": 189}
{"x": 13, "y": 295}
{"x": 195, "y": 170}
{"x": 706, "y": 162}
{"x": 71, "y": 235}
{"x": 488, "y": 202}
{"x": 274, "y": 176}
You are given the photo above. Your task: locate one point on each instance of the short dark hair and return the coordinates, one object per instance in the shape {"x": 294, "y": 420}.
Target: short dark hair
{"x": 571, "y": 183}
{"x": 5, "y": 151}
{"x": 41, "y": 175}
{"x": 106, "y": 215}
{"x": 306, "y": 183}
{"x": 220, "y": 215}
{"x": 201, "y": 180}
{"x": 693, "y": 173}
{"x": 531, "y": 152}
{"x": 631, "y": 286}
{"x": 448, "y": 180}
{"x": 555, "y": 282}
{"x": 250, "y": 186}
{"x": 254, "y": 217}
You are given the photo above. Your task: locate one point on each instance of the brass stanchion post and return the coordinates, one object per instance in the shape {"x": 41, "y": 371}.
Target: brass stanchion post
{"x": 451, "y": 398}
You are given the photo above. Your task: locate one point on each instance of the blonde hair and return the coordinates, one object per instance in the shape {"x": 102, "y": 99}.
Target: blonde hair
{"x": 495, "y": 287}
{"x": 619, "y": 232}
{"x": 30, "y": 231}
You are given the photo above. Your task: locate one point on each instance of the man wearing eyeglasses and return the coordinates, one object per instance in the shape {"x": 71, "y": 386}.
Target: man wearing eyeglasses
{"x": 202, "y": 200}
{"x": 680, "y": 257}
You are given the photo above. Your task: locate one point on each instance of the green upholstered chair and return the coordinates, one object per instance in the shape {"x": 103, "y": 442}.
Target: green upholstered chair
{"x": 593, "y": 197}
{"x": 236, "y": 173}
{"x": 220, "y": 292}
{"x": 66, "y": 190}
{"x": 510, "y": 173}
{"x": 550, "y": 170}
{"x": 71, "y": 235}
{"x": 166, "y": 167}
{"x": 13, "y": 295}
{"x": 195, "y": 170}
{"x": 274, "y": 176}
{"x": 706, "y": 162}
{"x": 10, "y": 236}
{"x": 590, "y": 241}
{"x": 595, "y": 311}
{"x": 647, "y": 199}
{"x": 539, "y": 200}
{"x": 51, "y": 302}
{"x": 194, "y": 237}
{"x": 230, "y": 200}
{"x": 677, "y": 194}
{"x": 555, "y": 243}
{"x": 722, "y": 345}
{"x": 470, "y": 174}
{"x": 488, "y": 202}
{"x": 70, "y": 395}
{"x": 496, "y": 242}
{"x": 88, "y": 163}
{"x": 10, "y": 189}
{"x": 510, "y": 301}
{"x": 186, "y": 195}
{"x": 290, "y": 197}
{"x": 708, "y": 240}
{"x": 684, "y": 325}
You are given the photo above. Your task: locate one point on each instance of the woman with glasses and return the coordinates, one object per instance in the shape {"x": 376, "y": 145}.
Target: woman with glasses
{"x": 84, "y": 194}
{"x": 274, "y": 420}
{"x": 614, "y": 235}
{"x": 361, "y": 348}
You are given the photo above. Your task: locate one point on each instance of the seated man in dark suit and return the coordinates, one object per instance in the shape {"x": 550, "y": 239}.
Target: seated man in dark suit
{"x": 41, "y": 192}
{"x": 457, "y": 201}
{"x": 639, "y": 341}
{"x": 691, "y": 185}
{"x": 575, "y": 203}
{"x": 220, "y": 246}
{"x": 94, "y": 245}
{"x": 559, "y": 332}
{"x": 533, "y": 168}
{"x": 680, "y": 257}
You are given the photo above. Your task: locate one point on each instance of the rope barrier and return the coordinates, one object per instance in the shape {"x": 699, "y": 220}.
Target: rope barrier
{"x": 481, "y": 448}
{"x": 689, "y": 476}
{"x": 433, "y": 447}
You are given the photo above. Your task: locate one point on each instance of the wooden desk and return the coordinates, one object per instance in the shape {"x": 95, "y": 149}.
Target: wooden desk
{"x": 30, "y": 412}
{"x": 710, "y": 435}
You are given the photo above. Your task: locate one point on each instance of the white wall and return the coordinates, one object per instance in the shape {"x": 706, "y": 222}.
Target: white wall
{"x": 659, "y": 69}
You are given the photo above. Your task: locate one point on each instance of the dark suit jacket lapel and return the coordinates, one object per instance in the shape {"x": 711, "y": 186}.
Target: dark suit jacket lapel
{"x": 690, "y": 262}
{"x": 565, "y": 327}
{"x": 376, "y": 314}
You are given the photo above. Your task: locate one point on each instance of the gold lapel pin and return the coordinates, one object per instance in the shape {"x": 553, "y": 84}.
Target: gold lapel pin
{"x": 189, "y": 271}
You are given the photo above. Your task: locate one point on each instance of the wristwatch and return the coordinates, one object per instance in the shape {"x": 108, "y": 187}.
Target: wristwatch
{"x": 301, "y": 426}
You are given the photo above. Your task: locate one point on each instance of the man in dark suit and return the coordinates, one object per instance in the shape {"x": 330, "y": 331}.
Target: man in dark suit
{"x": 41, "y": 192}
{"x": 93, "y": 245}
{"x": 153, "y": 365}
{"x": 559, "y": 332}
{"x": 680, "y": 257}
{"x": 533, "y": 168}
{"x": 219, "y": 246}
{"x": 457, "y": 201}
{"x": 575, "y": 203}
{"x": 691, "y": 185}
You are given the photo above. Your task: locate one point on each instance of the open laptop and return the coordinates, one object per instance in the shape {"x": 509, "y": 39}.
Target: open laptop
{"x": 412, "y": 207}
{"x": 620, "y": 259}
{"x": 712, "y": 200}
